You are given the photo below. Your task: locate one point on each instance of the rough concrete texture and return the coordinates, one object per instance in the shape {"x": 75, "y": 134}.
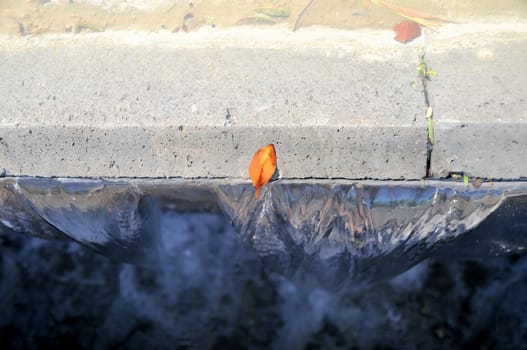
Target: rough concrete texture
{"x": 336, "y": 104}
{"x": 200, "y": 104}
{"x": 479, "y": 99}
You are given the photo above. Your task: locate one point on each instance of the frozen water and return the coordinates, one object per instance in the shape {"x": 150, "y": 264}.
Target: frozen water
{"x": 215, "y": 268}
{"x": 335, "y": 233}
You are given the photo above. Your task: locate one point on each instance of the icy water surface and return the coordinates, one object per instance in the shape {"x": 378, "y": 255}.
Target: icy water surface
{"x": 308, "y": 266}
{"x": 334, "y": 233}
{"x": 313, "y": 265}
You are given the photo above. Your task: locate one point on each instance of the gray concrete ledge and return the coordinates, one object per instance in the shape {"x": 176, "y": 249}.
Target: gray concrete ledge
{"x": 200, "y": 105}
{"x": 480, "y": 104}
{"x": 337, "y": 104}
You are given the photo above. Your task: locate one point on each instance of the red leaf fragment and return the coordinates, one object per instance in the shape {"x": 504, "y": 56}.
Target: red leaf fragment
{"x": 406, "y": 31}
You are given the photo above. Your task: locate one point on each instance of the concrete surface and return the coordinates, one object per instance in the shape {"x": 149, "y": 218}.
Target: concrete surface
{"x": 480, "y": 104}
{"x": 200, "y": 104}
{"x": 336, "y": 104}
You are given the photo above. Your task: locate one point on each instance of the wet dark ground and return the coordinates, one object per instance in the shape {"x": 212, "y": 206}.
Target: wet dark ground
{"x": 59, "y": 295}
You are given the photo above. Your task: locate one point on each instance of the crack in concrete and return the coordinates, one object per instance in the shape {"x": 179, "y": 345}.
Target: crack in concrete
{"x": 425, "y": 73}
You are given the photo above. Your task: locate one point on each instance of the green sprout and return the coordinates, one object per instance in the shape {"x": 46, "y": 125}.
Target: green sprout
{"x": 430, "y": 125}
{"x": 423, "y": 71}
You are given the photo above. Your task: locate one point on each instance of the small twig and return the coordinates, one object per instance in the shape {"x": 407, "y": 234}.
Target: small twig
{"x": 301, "y": 14}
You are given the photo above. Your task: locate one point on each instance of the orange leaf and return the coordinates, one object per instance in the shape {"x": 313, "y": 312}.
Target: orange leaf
{"x": 406, "y": 31}
{"x": 262, "y": 167}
